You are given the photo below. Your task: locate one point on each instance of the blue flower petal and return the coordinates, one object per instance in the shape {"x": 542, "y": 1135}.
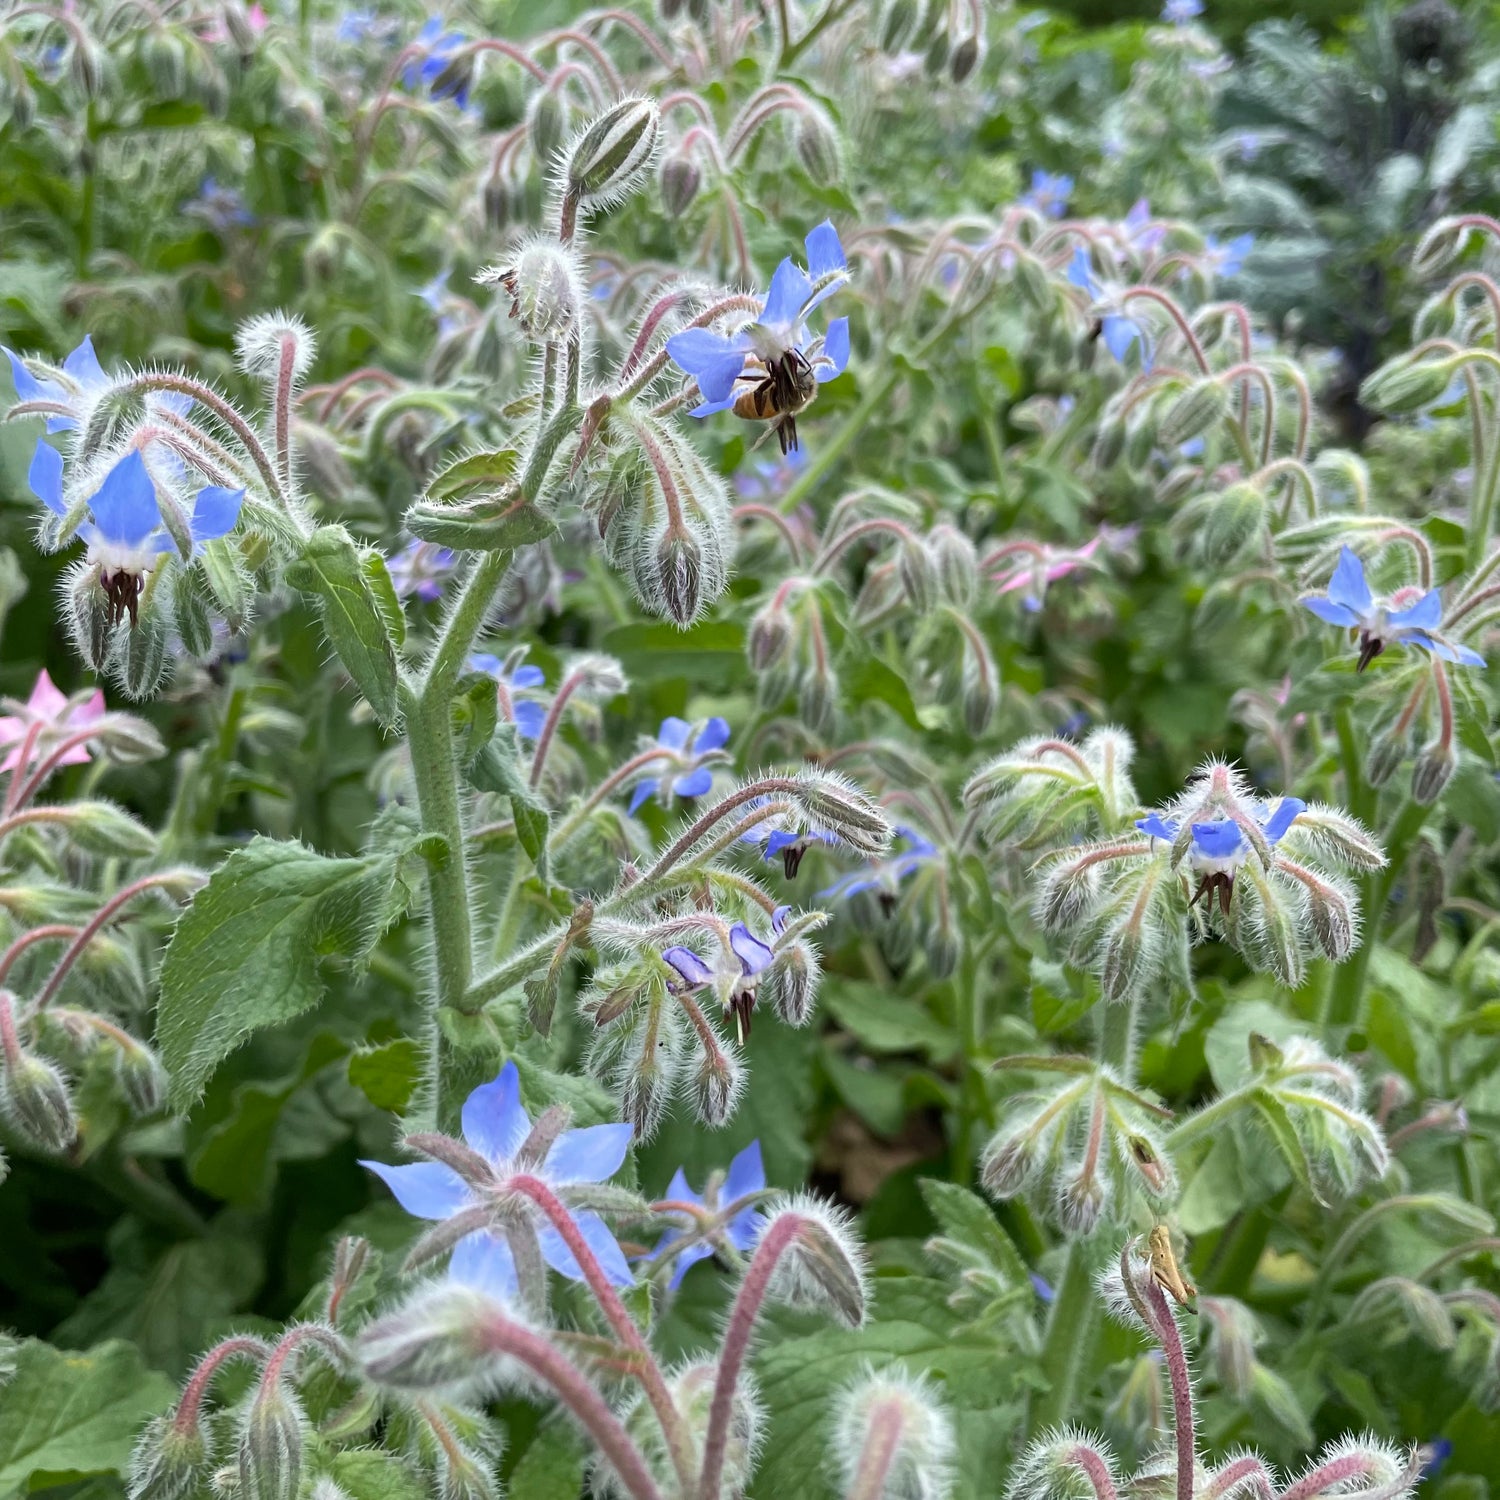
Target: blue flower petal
{"x": 680, "y": 1190}
{"x": 1220, "y": 839}
{"x": 484, "y": 1262}
{"x": 426, "y": 1189}
{"x": 1157, "y": 826}
{"x": 713, "y": 736}
{"x": 486, "y": 662}
{"x": 790, "y": 290}
{"x": 1119, "y": 334}
{"x": 1442, "y": 649}
{"x": 747, "y": 1173}
{"x": 754, "y": 955}
{"x": 1334, "y": 614}
{"x": 526, "y": 676}
{"x": 1348, "y": 585}
{"x": 216, "y": 512}
{"x": 1287, "y": 812}
{"x": 1425, "y": 614}
{"x": 83, "y": 365}
{"x": 593, "y": 1154}
{"x": 1080, "y": 271}
{"x": 598, "y": 1238}
{"x": 687, "y": 963}
{"x": 674, "y": 732}
{"x": 495, "y": 1122}
{"x": 644, "y": 791}
{"x": 28, "y": 387}
{"x": 835, "y": 358}
{"x": 530, "y": 717}
{"x": 778, "y": 919}
{"x": 45, "y": 477}
{"x": 825, "y": 253}
{"x": 124, "y": 507}
{"x": 687, "y": 1259}
{"x": 694, "y": 784}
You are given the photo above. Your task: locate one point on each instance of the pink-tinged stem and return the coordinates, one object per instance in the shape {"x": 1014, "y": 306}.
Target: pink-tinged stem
{"x": 1091, "y": 1464}
{"x": 37, "y": 935}
{"x": 740, "y": 302}
{"x": 91, "y": 928}
{"x": 188, "y": 1408}
{"x": 502, "y": 1336}
{"x": 285, "y": 374}
{"x": 291, "y": 1341}
{"x": 1242, "y": 1470}
{"x": 1338, "y": 1471}
{"x": 570, "y": 685}
{"x": 882, "y": 1443}
{"x": 643, "y": 1362}
{"x": 22, "y": 794}
{"x": 10, "y": 1043}
{"x": 765, "y": 786}
{"x": 743, "y": 1316}
{"x": 18, "y": 771}
{"x": 1445, "y": 704}
{"x": 1184, "y": 1431}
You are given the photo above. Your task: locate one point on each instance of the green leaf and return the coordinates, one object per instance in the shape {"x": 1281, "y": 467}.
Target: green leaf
{"x": 491, "y": 523}
{"x": 497, "y": 768}
{"x": 68, "y": 1415}
{"x": 332, "y": 569}
{"x": 967, "y": 1218}
{"x": 870, "y": 680}
{"x": 711, "y": 656}
{"x": 551, "y": 1468}
{"x": 1274, "y": 1116}
{"x": 246, "y": 953}
{"x": 387, "y": 1075}
{"x": 368, "y": 1474}
{"x": 884, "y": 1022}
{"x": 471, "y": 472}
{"x": 387, "y": 600}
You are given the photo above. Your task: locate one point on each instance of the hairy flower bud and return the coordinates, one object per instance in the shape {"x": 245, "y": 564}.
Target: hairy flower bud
{"x": 833, "y": 802}
{"x": 1194, "y": 411}
{"x": 965, "y": 59}
{"x": 89, "y": 618}
{"x": 1230, "y": 1333}
{"x": 914, "y": 566}
{"x": 680, "y": 181}
{"x": 955, "y": 564}
{"x": 897, "y": 23}
{"x": 1387, "y": 751}
{"x": 717, "y": 1085}
{"x": 894, "y": 1440}
{"x": 141, "y": 1077}
{"x": 823, "y": 1265}
{"x": 793, "y": 984}
{"x": 610, "y": 157}
{"x": 1008, "y": 1163}
{"x": 770, "y": 636}
{"x": 271, "y": 1438}
{"x": 37, "y": 1103}
{"x": 817, "y": 144}
{"x": 139, "y": 660}
{"x": 1431, "y": 772}
{"x": 545, "y": 287}
{"x": 433, "y": 1343}
{"x": 546, "y": 125}
{"x": 170, "y": 1461}
{"x": 1407, "y": 384}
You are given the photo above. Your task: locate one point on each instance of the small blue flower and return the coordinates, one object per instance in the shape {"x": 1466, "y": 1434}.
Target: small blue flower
{"x": 355, "y": 26}
{"x": 776, "y": 350}
{"x": 435, "y": 292}
{"x": 496, "y": 1125}
{"x": 884, "y": 876}
{"x": 692, "y": 749}
{"x": 1048, "y": 194}
{"x": 420, "y": 568}
{"x": 439, "y": 47}
{"x": 527, "y": 715}
{"x": 1043, "y": 1288}
{"x": 736, "y": 975}
{"x": 1181, "y": 12}
{"x": 1142, "y": 231}
{"x": 85, "y": 379}
{"x": 1118, "y": 329}
{"x": 1219, "y": 846}
{"x": 1226, "y": 260}
{"x": 1434, "y": 1454}
{"x": 222, "y": 207}
{"x": 1349, "y": 602}
{"x": 727, "y": 1221}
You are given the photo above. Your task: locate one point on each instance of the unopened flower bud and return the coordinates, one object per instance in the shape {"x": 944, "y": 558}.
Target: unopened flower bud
{"x": 716, "y": 1086}
{"x": 103, "y": 828}
{"x": 1439, "y": 247}
{"x": 1008, "y": 1163}
{"x": 139, "y": 662}
{"x": 823, "y": 1265}
{"x": 142, "y": 1079}
{"x": 241, "y": 33}
{"x": 1432, "y": 771}
{"x": 611, "y": 156}
{"x": 1138, "y": 1406}
{"x": 955, "y": 563}
{"x": 1031, "y": 281}
{"x": 170, "y": 1461}
{"x": 89, "y": 617}
{"x": 894, "y": 1440}
{"x": 679, "y": 578}
{"x": 1230, "y": 1332}
{"x": 1224, "y": 524}
{"x": 1109, "y": 442}
{"x": 1407, "y": 384}
{"x": 1436, "y": 318}
{"x": 936, "y": 58}
{"x": 914, "y": 566}
{"x": 817, "y": 695}
{"x": 1081, "y": 1199}
{"x": 897, "y": 23}
{"x": 436, "y": 1342}
{"x": 37, "y": 1103}
{"x": 833, "y": 802}
{"x": 547, "y": 125}
{"x": 965, "y": 59}
{"x": 817, "y": 145}
{"x": 680, "y": 180}
{"x": 271, "y": 1438}
{"x": 1386, "y": 753}
{"x": 86, "y": 65}
{"x": 1194, "y": 411}
{"x": 770, "y": 636}
{"x": 544, "y": 285}
{"x": 793, "y": 984}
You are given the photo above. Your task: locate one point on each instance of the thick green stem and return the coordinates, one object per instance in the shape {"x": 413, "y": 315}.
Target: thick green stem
{"x": 1346, "y": 993}
{"x": 1069, "y": 1344}
{"x": 973, "y": 1101}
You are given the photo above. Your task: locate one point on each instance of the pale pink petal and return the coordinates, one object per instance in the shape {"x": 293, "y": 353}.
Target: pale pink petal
{"x": 46, "y": 701}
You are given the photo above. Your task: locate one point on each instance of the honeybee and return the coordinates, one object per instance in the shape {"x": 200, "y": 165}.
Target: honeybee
{"x": 1164, "y": 1268}
{"x": 787, "y": 387}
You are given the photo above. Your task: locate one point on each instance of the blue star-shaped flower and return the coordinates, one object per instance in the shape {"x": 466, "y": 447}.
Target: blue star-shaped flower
{"x": 1118, "y": 329}
{"x": 1349, "y": 602}
{"x": 727, "y": 1219}
{"x": 528, "y": 715}
{"x": 736, "y": 975}
{"x": 438, "y": 47}
{"x": 884, "y": 876}
{"x": 1048, "y": 193}
{"x": 1222, "y": 259}
{"x": 1219, "y": 846}
{"x": 496, "y": 1125}
{"x": 691, "y": 748}
{"x": 776, "y": 351}
{"x": 85, "y": 378}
